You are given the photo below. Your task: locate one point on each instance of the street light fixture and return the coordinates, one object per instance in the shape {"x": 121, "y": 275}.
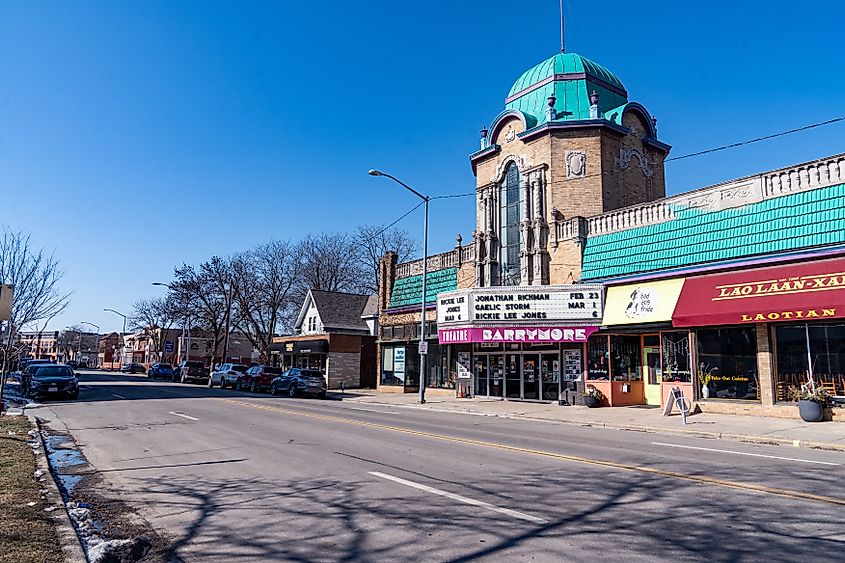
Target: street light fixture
{"x": 423, "y": 345}
{"x": 122, "y": 336}
{"x": 97, "y": 361}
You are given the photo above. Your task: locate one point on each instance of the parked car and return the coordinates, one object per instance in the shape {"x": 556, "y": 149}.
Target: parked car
{"x": 132, "y": 368}
{"x": 160, "y": 371}
{"x": 296, "y": 382}
{"x": 190, "y": 371}
{"x": 24, "y": 362}
{"x": 45, "y": 380}
{"x": 226, "y": 375}
{"x": 257, "y": 378}
{"x": 72, "y": 364}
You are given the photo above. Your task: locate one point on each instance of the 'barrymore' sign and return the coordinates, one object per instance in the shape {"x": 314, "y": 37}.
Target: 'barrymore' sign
{"x": 504, "y": 334}
{"x": 520, "y": 305}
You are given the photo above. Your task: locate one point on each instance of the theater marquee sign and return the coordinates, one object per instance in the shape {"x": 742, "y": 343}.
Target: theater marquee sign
{"x": 793, "y": 292}
{"x": 563, "y": 313}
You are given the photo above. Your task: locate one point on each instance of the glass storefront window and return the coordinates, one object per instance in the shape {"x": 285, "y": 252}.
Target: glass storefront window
{"x": 676, "y": 360}
{"x": 625, "y": 358}
{"x": 439, "y": 374}
{"x": 826, "y": 346}
{"x": 597, "y": 365}
{"x": 393, "y": 365}
{"x": 728, "y": 363}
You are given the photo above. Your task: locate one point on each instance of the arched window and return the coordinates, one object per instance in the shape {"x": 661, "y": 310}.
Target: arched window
{"x": 511, "y": 202}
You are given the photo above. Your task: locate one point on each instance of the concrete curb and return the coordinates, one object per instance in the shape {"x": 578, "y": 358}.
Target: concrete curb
{"x": 773, "y": 440}
{"x": 71, "y": 544}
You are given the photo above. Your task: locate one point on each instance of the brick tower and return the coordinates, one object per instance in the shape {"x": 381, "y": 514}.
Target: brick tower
{"x": 568, "y": 144}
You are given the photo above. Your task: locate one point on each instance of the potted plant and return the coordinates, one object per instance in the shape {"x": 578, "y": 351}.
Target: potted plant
{"x": 592, "y": 396}
{"x": 812, "y": 401}
{"x": 705, "y": 374}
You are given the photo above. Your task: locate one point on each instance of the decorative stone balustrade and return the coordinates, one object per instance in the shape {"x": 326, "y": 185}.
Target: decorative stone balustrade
{"x": 736, "y": 193}
{"x": 450, "y": 259}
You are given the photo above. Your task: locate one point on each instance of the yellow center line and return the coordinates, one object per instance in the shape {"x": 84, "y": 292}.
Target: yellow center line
{"x": 792, "y": 494}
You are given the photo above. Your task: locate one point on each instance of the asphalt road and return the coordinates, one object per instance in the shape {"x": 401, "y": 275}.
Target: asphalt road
{"x": 227, "y": 474}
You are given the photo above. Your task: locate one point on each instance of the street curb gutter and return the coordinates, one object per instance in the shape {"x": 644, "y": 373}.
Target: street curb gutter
{"x": 771, "y": 440}
{"x": 70, "y": 542}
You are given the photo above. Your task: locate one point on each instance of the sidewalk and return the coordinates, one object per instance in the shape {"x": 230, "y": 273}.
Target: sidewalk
{"x": 792, "y": 432}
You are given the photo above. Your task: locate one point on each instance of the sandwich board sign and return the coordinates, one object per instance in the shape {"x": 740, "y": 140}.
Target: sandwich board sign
{"x": 676, "y": 398}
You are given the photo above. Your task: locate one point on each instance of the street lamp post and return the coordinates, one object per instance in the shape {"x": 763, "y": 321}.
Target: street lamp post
{"x": 97, "y": 361}
{"x": 122, "y": 336}
{"x": 423, "y": 345}
{"x": 228, "y": 321}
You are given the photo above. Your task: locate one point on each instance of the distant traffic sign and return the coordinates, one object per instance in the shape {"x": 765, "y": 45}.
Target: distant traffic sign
{"x": 168, "y": 346}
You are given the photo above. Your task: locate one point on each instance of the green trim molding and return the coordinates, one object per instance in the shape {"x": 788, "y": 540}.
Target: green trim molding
{"x": 407, "y": 291}
{"x": 809, "y": 219}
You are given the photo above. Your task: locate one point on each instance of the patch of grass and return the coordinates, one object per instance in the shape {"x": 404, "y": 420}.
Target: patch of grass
{"x": 26, "y": 532}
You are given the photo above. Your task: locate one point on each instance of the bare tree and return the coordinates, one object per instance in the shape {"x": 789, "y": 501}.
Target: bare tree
{"x": 35, "y": 275}
{"x": 155, "y": 317}
{"x": 331, "y": 263}
{"x": 201, "y": 296}
{"x": 266, "y": 291}
{"x": 72, "y": 341}
{"x": 372, "y": 242}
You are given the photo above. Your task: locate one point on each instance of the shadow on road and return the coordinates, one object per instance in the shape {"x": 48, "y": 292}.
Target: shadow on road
{"x": 326, "y": 519}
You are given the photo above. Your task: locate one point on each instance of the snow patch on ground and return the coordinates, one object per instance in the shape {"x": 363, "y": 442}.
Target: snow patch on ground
{"x": 97, "y": 547}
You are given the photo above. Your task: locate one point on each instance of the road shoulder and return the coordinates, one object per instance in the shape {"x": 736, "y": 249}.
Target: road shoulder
{"x": 35, "y": 525}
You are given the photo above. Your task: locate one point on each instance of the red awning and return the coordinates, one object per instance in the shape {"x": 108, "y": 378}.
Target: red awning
{"x": 785, "y": 293}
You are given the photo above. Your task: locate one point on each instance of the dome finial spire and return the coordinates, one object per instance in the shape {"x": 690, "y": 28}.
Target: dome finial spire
{"x": 562, "y": 44}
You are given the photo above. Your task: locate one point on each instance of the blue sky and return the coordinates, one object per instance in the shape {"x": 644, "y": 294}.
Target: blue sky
{"x": 135, "y": 136}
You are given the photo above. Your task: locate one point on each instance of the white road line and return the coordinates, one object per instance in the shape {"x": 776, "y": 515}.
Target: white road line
{"x": 182, "y": 415}
{"x": 369, "y": 410}
{"x": 465, "y": 500}
{"x": 744, "y": 453}
{"x": 118, "y": 396}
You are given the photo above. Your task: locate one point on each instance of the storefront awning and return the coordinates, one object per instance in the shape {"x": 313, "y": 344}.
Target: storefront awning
{"x": 300, "y": 347}
{"x": 641, "y": 303}
{"x": 787, "y": 293}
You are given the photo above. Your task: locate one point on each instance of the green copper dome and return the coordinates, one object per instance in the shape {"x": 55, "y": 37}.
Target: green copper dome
{"x": 572, "y": 79}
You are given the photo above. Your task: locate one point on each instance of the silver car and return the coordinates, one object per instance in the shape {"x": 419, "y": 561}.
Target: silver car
{"x": 226, "y": 375}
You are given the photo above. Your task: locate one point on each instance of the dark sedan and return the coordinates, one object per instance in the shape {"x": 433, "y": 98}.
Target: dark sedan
{"x": 296, "y": 382}
{"x": 49, "y": 381}
{"x": 132, "y": 368}
{"x": 160, "y": 371}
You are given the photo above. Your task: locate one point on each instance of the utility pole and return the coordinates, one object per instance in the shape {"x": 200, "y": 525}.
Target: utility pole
{"x": 228, "y": 321}
{"x": 423, "y": 346}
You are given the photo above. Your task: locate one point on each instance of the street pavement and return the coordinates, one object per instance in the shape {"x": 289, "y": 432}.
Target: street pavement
{"x": 224, "y": 474}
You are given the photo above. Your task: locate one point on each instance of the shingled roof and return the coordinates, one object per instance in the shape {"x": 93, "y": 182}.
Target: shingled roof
{"x": 340, "y": 311}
